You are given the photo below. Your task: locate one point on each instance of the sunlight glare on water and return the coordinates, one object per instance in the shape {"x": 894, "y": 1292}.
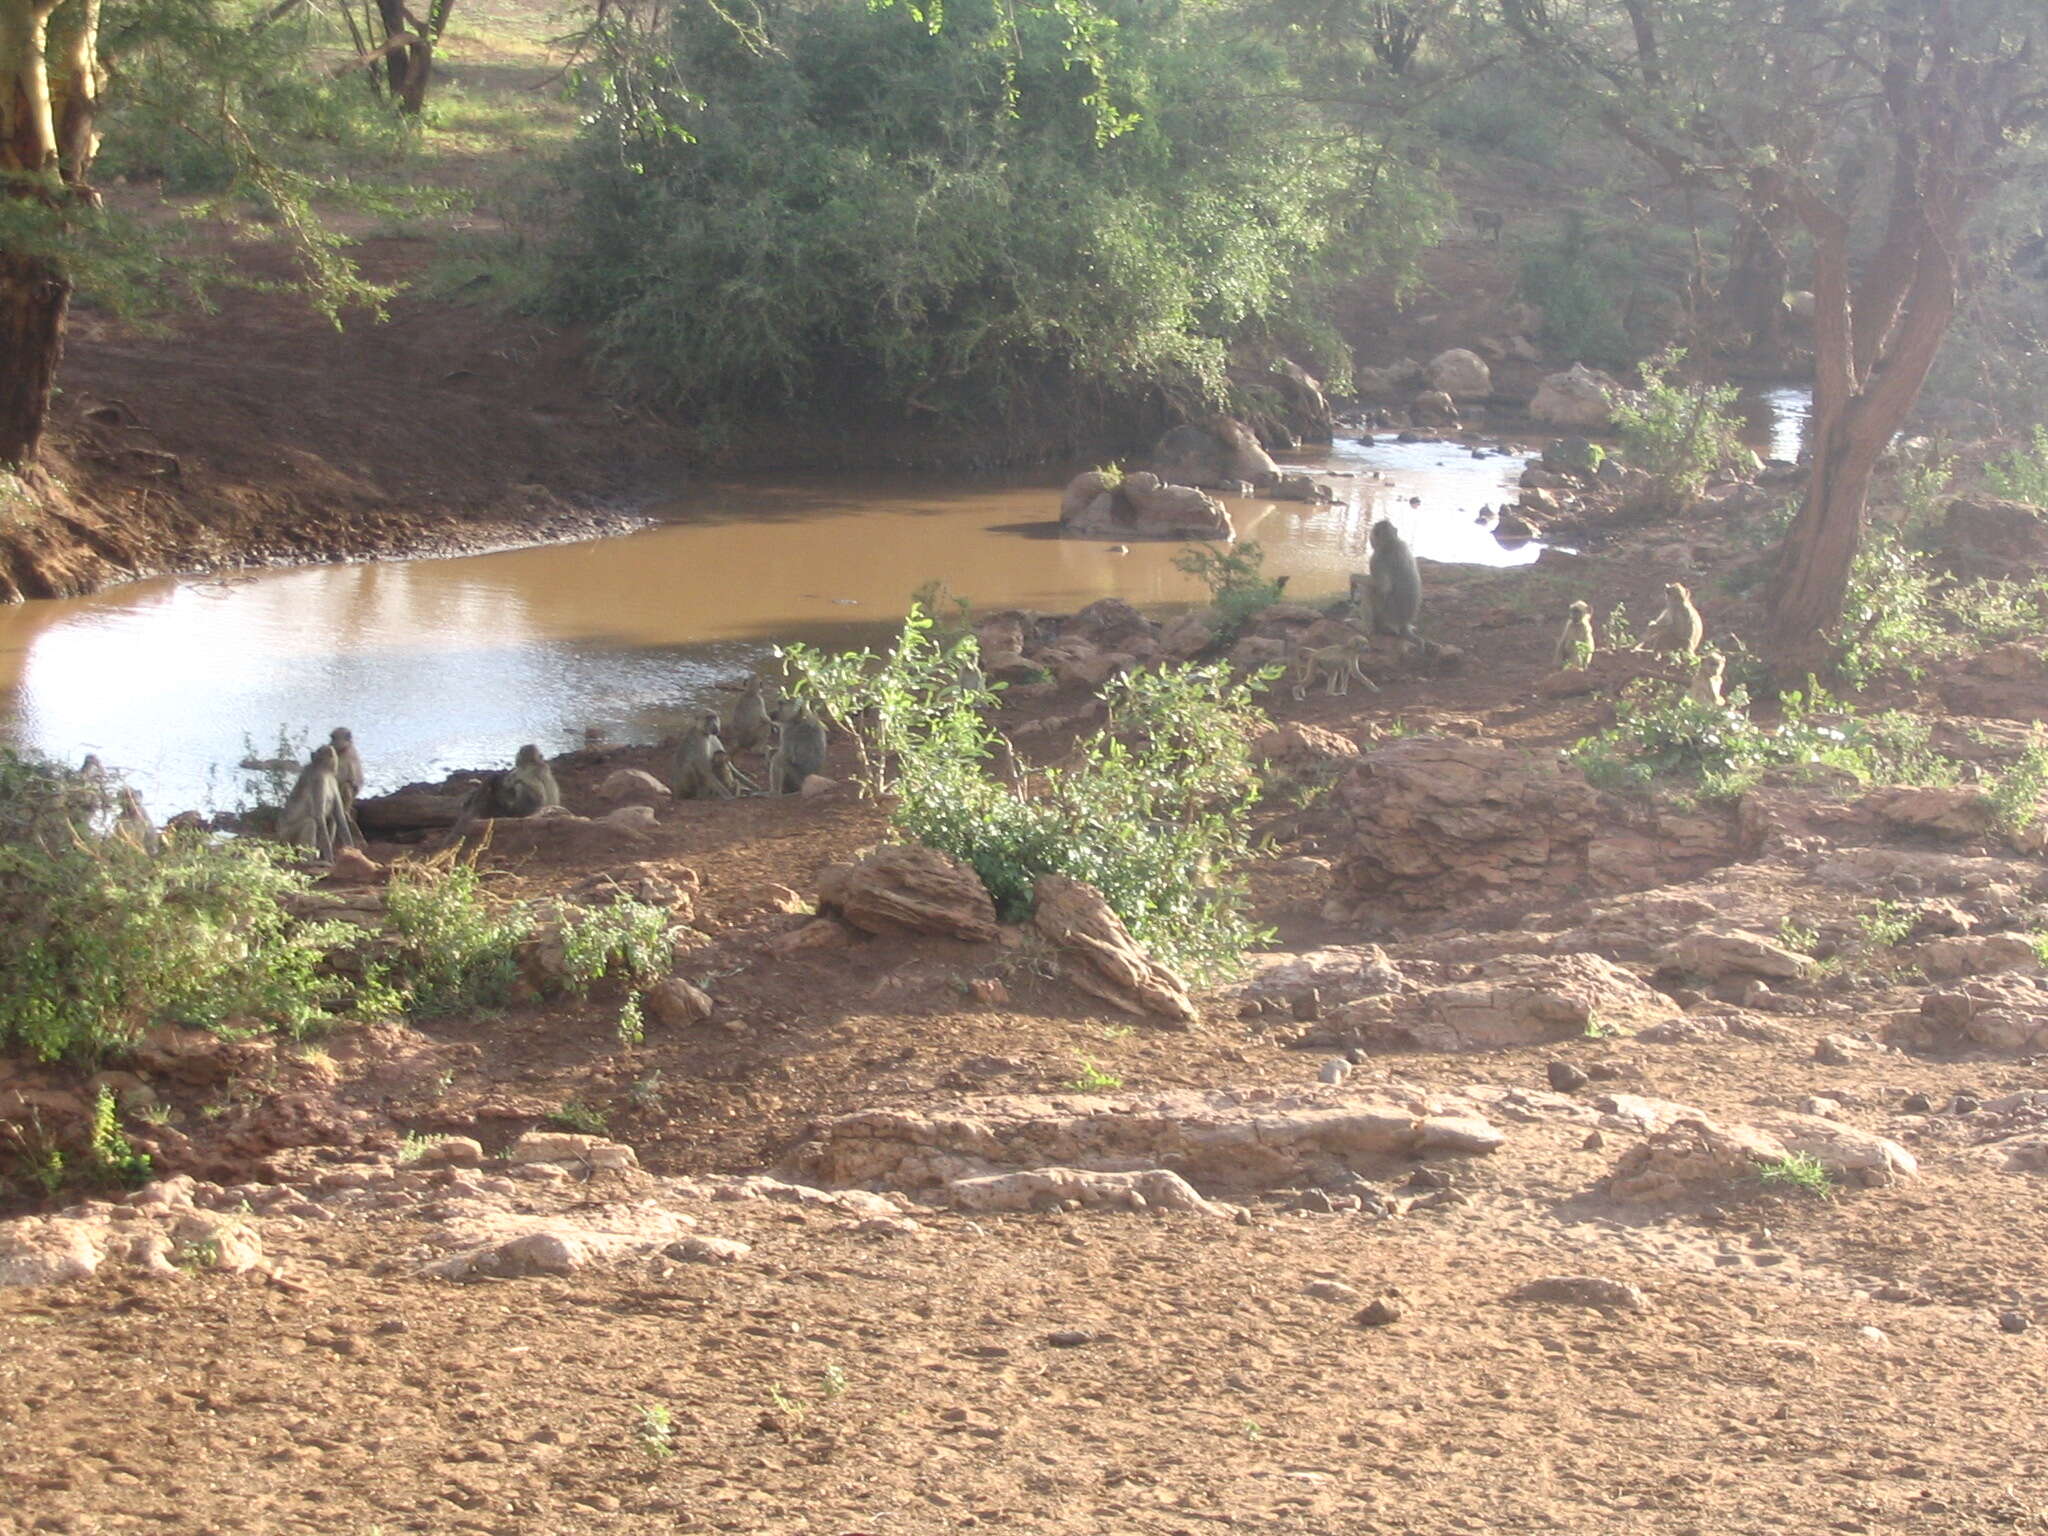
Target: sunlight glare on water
{"x": 446, "y": 664}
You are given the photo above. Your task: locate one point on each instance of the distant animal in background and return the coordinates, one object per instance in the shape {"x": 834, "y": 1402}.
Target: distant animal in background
{"x": 1395, "y": 581}
{"x": 315, "y": 815}
{"x": 1575, "y": 645}
{"x": 799, "y": 748}
{"x": 1677, "y": 630}
{"x": 1488, "y": 222}
{"x": 1706, "y": 682}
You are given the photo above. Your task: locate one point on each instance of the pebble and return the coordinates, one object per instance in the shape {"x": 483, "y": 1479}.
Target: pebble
{"x": 1564, "y": 1077}
{"x": 1330, "y": 1290}
{"x": 1335, "y": 1070}
{"x": 1070, "y": 1338}
{"x": 1382, "y": 1312}
{"x": 2014, "y": 1322}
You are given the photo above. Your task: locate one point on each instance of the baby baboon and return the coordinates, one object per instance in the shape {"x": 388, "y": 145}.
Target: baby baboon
{"x": 746, "y": 727}
{"x": 1677, "y": 630}
{"x": 1575, "y": 645}
{"x": 1339, "y": 663}
{"x": 1396, "y": 582}
{"x": 799, "y": 748}
{"x": 700, "y": 755}
{"x": 1487, "y": 222}
{"x": 1706, "y": 682}
{"x": 315, "y": 815}
{"x": 348, "y": 764}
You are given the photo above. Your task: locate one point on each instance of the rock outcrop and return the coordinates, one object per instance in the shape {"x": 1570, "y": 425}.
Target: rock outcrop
{"x": 1217, "y": 453}
{"x": 1578, "y": 397}
{"x": 1511, "y": 1000}
{"x": 1461, "y": 374}
{"x": 1140, "y": 506}
{"x": 909, "y": 889}
{"x": 1098, "y": 954}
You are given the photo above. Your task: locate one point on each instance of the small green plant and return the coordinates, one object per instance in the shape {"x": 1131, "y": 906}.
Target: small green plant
{"x": 198, "y": 1253}
{"x": 655, "y": 1432}
{"x": 1800, "y": 940}
{"x": 1886, "y": 925}
{"x": 1921, "y": 487}
{"x": 629, "y": 936}
{"x": 457, "y": 950}
{"x": 834, "y": 1378}
{"x": 2022, "y": 475}
{"x": 1889, "y": 615}
{"x": 413, "y": 1146}
{"x": 1598, "y": 1028}
{"x": 1236, "y": 586}
{"x": 646, "y": 1093}
{"x": 2017, "y": 793}
{"x": 574, "y": 1115}
{"x": 1621, "y": 633}
{"x": 1798, "y": 1172}
{"x": 1093, "y": 1079}
{"x": 109, "y": 1156}
{"x": 632, "y": 1022}
{"x": 1679, "y": 434}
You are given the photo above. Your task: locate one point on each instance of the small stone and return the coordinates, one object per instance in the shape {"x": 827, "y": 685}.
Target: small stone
{"x": 1875, "y": 1338}
{"x": 1564, "y": 1077}
{"x": 1585, "y": 1291}
{"x": 1606, "y": 1071}
{"x": 2014, "y": 1322}
{"x": 451, "y": 1152}
{"x": 1918, "y": 1104}
{"x": 1429, "y": 1178}
{"x": 1308, "y": 1005}
{"x": 1593, "y": 1143}
{"x": 1335, "y": 1070}
{"x": 989, "y": 991}
{"x": 1965, "y": 1104}
{"x": 1314, "y": 1200}
{"x": 1835, "y": 1050}
{"x": 1070, "y": 1338}
{"x": 1330, "y": 1290}
{"x": 1382, "y": 1312}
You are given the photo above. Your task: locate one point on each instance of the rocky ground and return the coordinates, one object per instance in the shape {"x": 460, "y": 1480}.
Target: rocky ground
{"x": 1467, "y": 1210}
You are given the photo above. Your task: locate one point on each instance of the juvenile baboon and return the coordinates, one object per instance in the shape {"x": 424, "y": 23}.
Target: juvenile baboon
{"x": 1339, "y": 663}
{"x": 699, "y": 756}
{"x": 1487, "y": 222}
{"x": 1361, "y": 601}
{"x": 1575, "y": 645}
{"x": 746, "y": 727}
{"x": 315, "y": 815}
{"x": 348, "y": 764}
{"x": 1706, "y": 682}
{"x": 799, "y": 748}
{"x": 1677, "y": 630}
{"x": 1396, "y": 582}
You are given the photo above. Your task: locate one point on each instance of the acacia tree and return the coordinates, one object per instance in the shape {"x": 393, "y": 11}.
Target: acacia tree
{"x": 1880, "y": 125}
{"x": 222, "y": 66}
{"x": 49, "y": 96}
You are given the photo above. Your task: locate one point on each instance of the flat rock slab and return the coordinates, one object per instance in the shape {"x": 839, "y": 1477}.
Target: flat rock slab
{"x": 1211, "y": 1140}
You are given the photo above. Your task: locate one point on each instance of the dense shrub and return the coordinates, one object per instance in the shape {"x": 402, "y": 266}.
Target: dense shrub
{"x": 1150, "y": 810}
{"x": 1679, "y": 433}
{"x": 1026, "y": 212}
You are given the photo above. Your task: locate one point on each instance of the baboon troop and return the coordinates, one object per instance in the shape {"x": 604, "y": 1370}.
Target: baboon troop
{"x": 1341, "y": 664}
{"x": 315, "y": 814}
{"x": 1575, "y": 646}
{"x": 1678, "y": 629}
{"x": 1394, "y": 582}
{"x": 799, "y": 748}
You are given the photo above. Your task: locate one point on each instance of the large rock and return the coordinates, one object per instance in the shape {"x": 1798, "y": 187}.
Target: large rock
{"x": 1140, "y": 506}
{"x": 1458, "y": 373}
{"x": 910, "y": 889}
{"x": 1714, "y": 955}
{"x": 1098, "y": 954}
{"x": 1306, "y": 409}
{"x": 1298, "y": 749}
{"x": 1390, "y": 380}
{"x": 1514, "y": 1000}
{"x": 1855, "y": 1157}
{"x": 1217, "y": 452}
{"x": 1213, "y": 1140}
{"x": 1578, "y": 397}
{"x": 2007, "y": 1014}
{"x": 1943, "y": 810}
{"x": 1984, "y": 536}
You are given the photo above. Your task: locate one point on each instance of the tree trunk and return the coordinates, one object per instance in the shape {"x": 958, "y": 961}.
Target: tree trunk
{"x": 33, "y": 299}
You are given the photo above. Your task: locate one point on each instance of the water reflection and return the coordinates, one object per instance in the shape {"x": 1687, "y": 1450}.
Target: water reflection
{"x": 452, "y": 663}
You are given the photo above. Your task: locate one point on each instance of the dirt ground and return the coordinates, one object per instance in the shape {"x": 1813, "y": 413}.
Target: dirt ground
{"x": 1870, "y": 1361}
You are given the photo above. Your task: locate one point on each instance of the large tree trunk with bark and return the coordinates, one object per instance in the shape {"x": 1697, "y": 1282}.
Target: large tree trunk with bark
{"x": 33, "y": 299}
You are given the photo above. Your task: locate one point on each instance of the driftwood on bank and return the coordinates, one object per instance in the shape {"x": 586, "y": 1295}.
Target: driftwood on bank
{"x": 410, "y": 810}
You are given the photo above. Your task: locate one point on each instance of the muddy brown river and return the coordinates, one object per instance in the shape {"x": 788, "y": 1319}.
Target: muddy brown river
{"x": 442, "y": 664}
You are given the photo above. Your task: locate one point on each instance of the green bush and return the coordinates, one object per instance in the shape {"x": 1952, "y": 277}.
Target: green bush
{"x": 1574, "y": 280}
{"x": 1015, "y": 222}
{"x": 99, "y": 939}
{"x": 456, "y": 949}
{"x": 628, "y": 936}
{"x": 1664, "y": 738}
{"x": 1150, "y": 811}
{"x": 2022, "y": 475}
{"x": 1237, "y": 590}
{"x": 1679, "y": 434}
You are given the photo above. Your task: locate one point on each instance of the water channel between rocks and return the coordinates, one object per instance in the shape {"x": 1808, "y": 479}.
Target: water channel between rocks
{"x": 453, "y": 663}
